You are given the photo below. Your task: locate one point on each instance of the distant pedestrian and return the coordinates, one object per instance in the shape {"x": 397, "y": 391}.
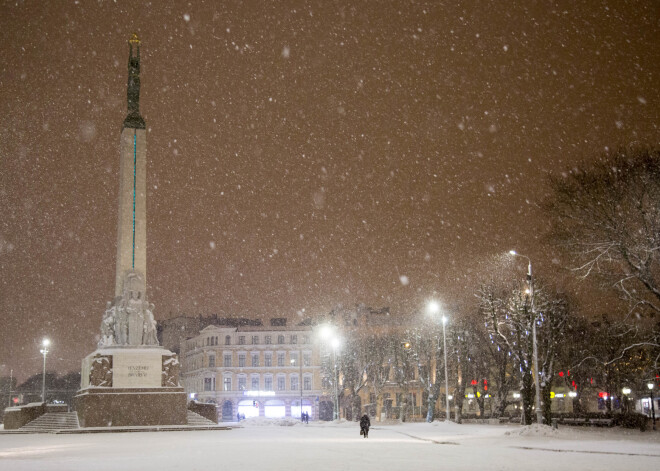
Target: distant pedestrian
{"x": 306, "y": 417}
{"x": 238, "y": 417}
{"x": 365, "y": 423}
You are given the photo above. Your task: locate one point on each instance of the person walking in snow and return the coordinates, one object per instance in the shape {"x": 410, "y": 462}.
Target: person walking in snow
{"x": 365, "y": 423}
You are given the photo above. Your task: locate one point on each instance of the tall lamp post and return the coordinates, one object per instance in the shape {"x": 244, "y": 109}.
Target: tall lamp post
{"x": 434, "y": 308}
{"x": 650, "y": 386}
{"x": 300, "y": 381}
{"x": 335, "y": 343}
{"x": 328, "y": 333}
{"x": 45, "y": 343}
{"x": 11, "y": 379}
{"x": 530, "y": 280}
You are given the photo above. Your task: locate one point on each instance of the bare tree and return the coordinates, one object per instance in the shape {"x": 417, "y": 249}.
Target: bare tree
{"x": 606, "y": 215}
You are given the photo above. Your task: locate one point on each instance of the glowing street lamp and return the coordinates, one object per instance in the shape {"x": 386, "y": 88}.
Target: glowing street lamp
{"x": 530, "y": 280}
{"x": 434, "y": 308}
{"x": 45, "y": 343}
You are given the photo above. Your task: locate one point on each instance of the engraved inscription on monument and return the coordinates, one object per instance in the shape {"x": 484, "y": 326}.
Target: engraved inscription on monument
{"x": 132, "y": 370}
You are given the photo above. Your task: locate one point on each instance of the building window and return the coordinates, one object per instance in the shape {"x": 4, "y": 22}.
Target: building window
{"x": 211, "y": 361}
{"x": 208, "y": 384}
{"x": 307, "y": 359}
{"x": 255, "y": 359}
{"x": 294, "y": 383}
{"x": 280, "y": 339}
{"x": 325, "y": 383}
{"x": 294, "y": 358}
{"x": 294, "y": 339}
{"x": 281, "y": 383}
{"x": 242, "y": 383}
{"x": 255, "y": 340}
{"x": 241, "y": 360}
{"x": 305, "y": 338}
{"x": 227, "y": 384}
{"x": 268, "y": 383}
{"x": 268, "y": 359}
{"x": 268, "y": 340}
{"x": 307, "y": 383}
{"x": 228, "y": 340}
{"x": 227, "y": 360}
{"x": 241, "y": 340}
{"x": 255, "y": 383}
{"x": 280, "y": 359}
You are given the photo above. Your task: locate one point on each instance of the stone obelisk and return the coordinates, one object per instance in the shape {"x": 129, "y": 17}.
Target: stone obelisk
{"x": 132, "y": 227}
{"x": 130, "y": 380}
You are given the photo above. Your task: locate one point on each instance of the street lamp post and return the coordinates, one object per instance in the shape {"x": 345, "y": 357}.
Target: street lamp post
{"x": 650, "y": 386}
{"x": 335, "y": 344}
{"x": 539, "y": 415}
{"x": 300, "y": 383}
{"x": 11, "y": 379}
{"x": 44, "y": 351}
{"x": 434, "y": 308}
{"x": 444, "y": 345}
{"x": 328, "y": 332}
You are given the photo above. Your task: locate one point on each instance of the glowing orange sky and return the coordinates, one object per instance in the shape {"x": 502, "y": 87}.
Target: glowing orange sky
{"x": 301, "y": 154}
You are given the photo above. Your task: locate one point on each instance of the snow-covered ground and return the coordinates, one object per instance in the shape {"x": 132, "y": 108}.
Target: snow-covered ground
{"x": 270, "y": 445}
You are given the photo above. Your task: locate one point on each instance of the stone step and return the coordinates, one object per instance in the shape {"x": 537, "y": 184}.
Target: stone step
{"x": 196, "y": 419}
{"x": 51, "y": 422}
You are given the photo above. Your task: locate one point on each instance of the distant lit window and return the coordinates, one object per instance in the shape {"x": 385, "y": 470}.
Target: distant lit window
{"x": 227, "y": 384}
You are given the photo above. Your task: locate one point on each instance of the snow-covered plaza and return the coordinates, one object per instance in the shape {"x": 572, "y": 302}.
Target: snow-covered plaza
{"x": 258, "y": 444}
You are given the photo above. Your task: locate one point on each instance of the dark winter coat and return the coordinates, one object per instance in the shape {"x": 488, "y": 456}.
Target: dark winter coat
{"x": 365, "y": 422}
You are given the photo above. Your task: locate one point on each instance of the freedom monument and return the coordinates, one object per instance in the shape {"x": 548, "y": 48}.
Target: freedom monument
{"x": 130, "y": 380}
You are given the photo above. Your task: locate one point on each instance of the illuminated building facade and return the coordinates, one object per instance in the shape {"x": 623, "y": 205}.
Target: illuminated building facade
{"x": 256, "y": 371}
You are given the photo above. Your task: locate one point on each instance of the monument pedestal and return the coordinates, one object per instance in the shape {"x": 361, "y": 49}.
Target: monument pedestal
{"x": 130, "y": 386}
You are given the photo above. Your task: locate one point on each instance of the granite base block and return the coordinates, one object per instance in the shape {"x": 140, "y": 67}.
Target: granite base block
{"x": 126, "y": 407}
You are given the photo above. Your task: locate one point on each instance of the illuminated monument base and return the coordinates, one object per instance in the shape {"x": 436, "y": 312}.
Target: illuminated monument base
{"x": 130, "y": 387}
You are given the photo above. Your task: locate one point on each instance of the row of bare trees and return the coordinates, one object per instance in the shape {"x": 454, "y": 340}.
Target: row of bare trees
{"x": 606, "y": 216}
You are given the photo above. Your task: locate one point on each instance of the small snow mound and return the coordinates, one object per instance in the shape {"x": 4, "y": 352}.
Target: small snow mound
{"x": 535, "y": 430}
{"x": 269, "y": 422}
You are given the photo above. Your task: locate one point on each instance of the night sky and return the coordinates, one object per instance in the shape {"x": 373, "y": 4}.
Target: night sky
{"x": 301, "y": 155}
